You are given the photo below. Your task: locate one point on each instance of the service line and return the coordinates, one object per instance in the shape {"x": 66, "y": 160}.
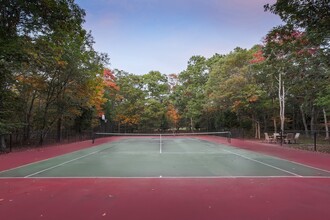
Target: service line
{"x": 61, "y": 164}
{"x": 263, "y": 163}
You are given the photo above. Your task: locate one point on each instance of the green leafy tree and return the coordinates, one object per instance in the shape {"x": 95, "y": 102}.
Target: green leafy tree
{"x": 312, "y": 16}
{"x": 22, "y": 23}
{"x": 189, "y": 93}
{"x": 47, "y": 63}
{"x": 232, "y": 87}
{"x": 298, "y": 68}
{"x": 156, "y": 88}
{"x": 129, "y": 102}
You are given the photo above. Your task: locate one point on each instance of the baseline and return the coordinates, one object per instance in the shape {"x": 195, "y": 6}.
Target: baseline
{"x": 172, "y": 177}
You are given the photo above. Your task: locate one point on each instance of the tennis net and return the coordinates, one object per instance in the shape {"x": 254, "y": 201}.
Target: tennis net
{"x": 226, "y": 135}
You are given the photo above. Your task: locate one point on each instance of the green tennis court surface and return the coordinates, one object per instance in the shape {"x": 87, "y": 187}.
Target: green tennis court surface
{"x": 157, "y": 157}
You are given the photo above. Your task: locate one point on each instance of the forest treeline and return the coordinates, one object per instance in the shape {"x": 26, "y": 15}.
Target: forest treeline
{"x": 53, "y": 80}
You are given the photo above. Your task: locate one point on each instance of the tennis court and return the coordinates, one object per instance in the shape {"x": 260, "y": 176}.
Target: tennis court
{"x": 157, "y": 156}
{"x": 165, "y": 177}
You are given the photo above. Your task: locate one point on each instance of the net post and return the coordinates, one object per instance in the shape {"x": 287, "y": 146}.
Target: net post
{"x": 93, "y": 137}
{"x": 229, "y": 137}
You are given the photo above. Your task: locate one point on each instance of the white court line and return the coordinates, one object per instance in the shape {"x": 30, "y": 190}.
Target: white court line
{"x": 39, "y": 161}
{"x": 61, "y": 164}
{"x": 290, "y": 161}
{"x": 160, "y": 144}
{"x": 266, "y": 164}
{"x": 300, "y": 164}
{"x": 174, "y": 177}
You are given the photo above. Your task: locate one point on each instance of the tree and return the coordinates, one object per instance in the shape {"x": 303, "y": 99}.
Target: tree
{"x": 309, "y": 46}
{"x": 173, "y": 116}
{"x": 22, "y": 24}
{"x": 189, "y": 93}
{"x": 107, "y": 93}
{"x": 323, "y": 100}
{"x": 296, "y": 62}
{"x": 68, "y": 65}
{"x": 129, "y": 101}
{"x": 156, "y": 88}
{"x": 156, "y": 85}
{"x": 48, "y": 63}
{"x": 232, "y": 87}
{"x": 313, "y": 16}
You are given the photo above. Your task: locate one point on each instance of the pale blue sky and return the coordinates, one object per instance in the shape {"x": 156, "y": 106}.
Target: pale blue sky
{"x": 145, "y": 35}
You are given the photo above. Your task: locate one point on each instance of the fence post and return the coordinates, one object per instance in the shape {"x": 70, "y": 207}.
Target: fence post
{"x": 10, "y": 142}
{"x": 314, "y": 141}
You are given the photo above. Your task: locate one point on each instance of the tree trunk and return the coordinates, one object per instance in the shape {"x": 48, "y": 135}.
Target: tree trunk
{"x": 312, "y": 124}
{"x": 2, "y": 143}
{"x": 265, "y": 127}
{"x": 41, "y": 138}
{"x": 275, "y": 125}
{"x": 304, "y": 119}
{"x": 59, "y": 129}
{"x": 28, "y": 119}
{"x": 326, "y": 125}
{"x": 44, "y": 124}
{"x": 281, "y": 96}
{"x": 257, "y": 130}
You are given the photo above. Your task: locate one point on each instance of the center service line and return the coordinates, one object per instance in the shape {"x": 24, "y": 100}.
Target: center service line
{"x": 160, "y": 143}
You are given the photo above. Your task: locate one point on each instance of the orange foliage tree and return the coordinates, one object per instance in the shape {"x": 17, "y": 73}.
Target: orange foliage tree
{"x": 173, "y": 116}
{"x": 102, "y": 85}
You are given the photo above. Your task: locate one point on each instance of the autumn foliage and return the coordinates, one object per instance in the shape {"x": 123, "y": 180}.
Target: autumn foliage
{"x": 173, "y": 115}
{"x": 104, "y": 83}
{"x": 109, "y": 79}
{"x": 258, "y": 57}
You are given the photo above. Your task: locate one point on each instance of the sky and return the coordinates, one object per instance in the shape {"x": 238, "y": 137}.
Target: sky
{"x": 162, "y": 35}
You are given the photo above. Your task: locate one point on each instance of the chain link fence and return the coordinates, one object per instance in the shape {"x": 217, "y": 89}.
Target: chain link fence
{"x": 305, "y": 140}
{"x": 18, "y": 140}
{"x": 310, "y": 140}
